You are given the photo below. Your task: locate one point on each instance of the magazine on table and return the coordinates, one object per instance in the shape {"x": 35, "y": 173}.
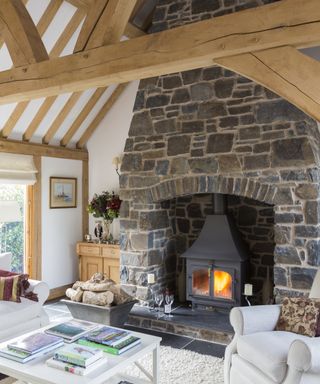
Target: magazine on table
{"x": 77, "y": 354}
{"x": 35, "y": 343}
{"x": 24, "y": 357}
{"x": 71, "y": 330}
{"x": 115, "y": 350}
{"x": 75, "y": 369}
{"x": 106, "y": 335}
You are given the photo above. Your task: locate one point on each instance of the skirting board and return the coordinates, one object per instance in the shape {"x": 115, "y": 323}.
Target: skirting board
{"x": 56, "y": 293}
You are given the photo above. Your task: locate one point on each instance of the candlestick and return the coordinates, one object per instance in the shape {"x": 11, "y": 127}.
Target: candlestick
{"x": 248, "y": 289}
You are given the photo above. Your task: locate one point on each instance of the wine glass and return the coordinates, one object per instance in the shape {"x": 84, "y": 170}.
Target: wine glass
{"x": 158, "y": 297}
{"x": 169, "y": 301}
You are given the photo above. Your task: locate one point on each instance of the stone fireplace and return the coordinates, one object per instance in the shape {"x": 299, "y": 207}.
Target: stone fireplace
{"x": 209, "y": 131}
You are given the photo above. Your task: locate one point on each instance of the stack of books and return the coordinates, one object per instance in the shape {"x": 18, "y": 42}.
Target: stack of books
{"x": 110, "y": 340}
{"x": 30, "y": 347}
{"x": 77, "y": 359}
{"x": 72, "y": 330}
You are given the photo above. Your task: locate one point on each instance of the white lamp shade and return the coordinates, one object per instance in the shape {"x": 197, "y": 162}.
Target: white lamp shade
{"x": 315, "y": 289}
{"x": 9, "y": 211}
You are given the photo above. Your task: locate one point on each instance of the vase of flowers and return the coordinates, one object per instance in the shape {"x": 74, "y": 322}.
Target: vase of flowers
{"x": 107, "y": 206}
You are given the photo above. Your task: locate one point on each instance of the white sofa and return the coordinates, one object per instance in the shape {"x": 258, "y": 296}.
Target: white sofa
{"x": 260, "y": 355}
{"x": 18, "y": 318}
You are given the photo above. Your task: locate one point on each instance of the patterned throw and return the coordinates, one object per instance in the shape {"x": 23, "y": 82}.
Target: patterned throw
{"x": 300, "y": 315}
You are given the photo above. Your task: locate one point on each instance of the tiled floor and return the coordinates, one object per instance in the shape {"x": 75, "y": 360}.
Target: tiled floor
{"x": 57, "y": 311}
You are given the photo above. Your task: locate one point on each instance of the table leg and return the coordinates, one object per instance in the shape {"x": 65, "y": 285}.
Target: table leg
{"x": 156, "y": 364}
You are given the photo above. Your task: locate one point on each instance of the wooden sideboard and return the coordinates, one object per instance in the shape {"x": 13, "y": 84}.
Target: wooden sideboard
{"x": 95, "y": 257}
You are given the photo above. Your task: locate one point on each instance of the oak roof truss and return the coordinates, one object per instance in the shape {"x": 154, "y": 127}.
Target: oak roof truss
{"x": 260, "y": 43}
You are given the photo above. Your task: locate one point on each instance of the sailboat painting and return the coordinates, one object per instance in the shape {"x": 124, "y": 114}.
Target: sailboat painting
{"x": 63, "y": 192}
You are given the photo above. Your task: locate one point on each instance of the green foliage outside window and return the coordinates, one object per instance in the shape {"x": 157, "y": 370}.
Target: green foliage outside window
{"x": 12, "y": 234}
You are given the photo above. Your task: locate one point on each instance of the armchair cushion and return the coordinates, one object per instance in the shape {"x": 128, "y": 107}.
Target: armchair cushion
{"x": 299, "y": 315}
{"x": 268, "y": 351}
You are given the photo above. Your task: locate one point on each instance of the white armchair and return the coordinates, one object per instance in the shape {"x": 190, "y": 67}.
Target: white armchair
{"x": 260, "y": 355}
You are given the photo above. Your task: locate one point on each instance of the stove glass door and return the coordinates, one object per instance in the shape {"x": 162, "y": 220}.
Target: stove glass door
{"x": 222, "y": 284}
{"x": 201, "y": 282}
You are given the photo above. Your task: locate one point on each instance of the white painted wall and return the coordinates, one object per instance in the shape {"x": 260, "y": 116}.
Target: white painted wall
{"x": 107, "y": 142}
{"x": 61, "y": 228}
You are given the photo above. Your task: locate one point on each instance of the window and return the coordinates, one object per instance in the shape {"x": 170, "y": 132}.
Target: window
{"x": 12, "y": 231}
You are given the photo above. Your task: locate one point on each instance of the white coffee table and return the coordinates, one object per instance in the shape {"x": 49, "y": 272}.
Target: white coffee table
{"x": 37, "y": 372}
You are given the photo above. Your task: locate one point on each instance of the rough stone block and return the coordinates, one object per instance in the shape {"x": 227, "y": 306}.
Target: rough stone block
{"x": 229, "y": 163}
{"x": 165, "y": 126}
{"x": 212, "y": 73}
{"x": 141, "y": 124}
{"x": 211, "y": 109}
{"x": 181, "y": 96}
{"x": 223, "y": 88}
{"x": 280, "y": 276}
{"x": 302, "y": 278}
{"x": 203, "y": 165}
{"x": 153, "y": 220}
{"x": 179, "y": 165}
{"x": 277, "y": 110}
{"x": 282, "y": 234}
{"x": 178, "y": 145}
{"x": 191, "y": 76}
{"x": 292, "y": 152}
{"x": 283, "y": 196}
{"x": 256, "y": 162}
{"x": 157, "y": 101}
{"x": 218, "y": 143}
{"x": 312, "y": 212}
{"x": 170, "y": 82}
{"x": 192, "y": 126}
{"x": 201, "y": 6}
{"x": 131, "y": 162}
{"x": 313, "y": 251}
{"x": 249, "y": 133}
{"x": 229, "y": 122}
{"x": 286, "y": 255}
{"x": 162, "y": 167}
{"x": 307, "y": 231}
{"x": 308, "y": 191}
{"x": 201, "y": 91}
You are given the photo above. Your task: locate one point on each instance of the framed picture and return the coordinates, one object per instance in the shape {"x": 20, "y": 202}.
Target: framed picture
{"x": 63, "y": 192}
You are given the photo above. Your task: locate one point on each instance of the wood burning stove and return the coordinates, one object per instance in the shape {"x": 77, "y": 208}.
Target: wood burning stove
{"x": 216, "y": 263}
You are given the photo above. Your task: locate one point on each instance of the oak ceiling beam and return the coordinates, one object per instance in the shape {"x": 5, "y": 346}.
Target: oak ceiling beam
{"x": 56, "y": 51}
{"x": 288, "y": 22}
{"x": 42, "y": 26}
{"x": 111, "y": 23}
{"x": 20, "y": 34}
{"x": 285, "y": 71}
{"x": 101, "y": 114}
{"x": 14, "y": 146}
{"x": 104, "y": 25}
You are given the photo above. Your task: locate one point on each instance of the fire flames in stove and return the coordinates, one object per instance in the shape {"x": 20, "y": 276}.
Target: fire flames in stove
{"x": 222, "y": 284}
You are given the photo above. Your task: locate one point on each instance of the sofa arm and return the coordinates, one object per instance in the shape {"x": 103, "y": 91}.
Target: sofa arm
{"x": 258, "y": 318}
{"x": 40, "y": 288}
{"x": 304, "y": 355}
{"x": 5, "y": 261}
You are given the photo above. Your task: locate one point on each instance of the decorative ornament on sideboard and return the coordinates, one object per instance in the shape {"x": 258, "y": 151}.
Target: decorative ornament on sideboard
{"x": 107, "y": 206}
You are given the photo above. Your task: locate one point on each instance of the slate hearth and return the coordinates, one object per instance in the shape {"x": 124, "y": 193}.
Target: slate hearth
{"x": 213, "y": 326}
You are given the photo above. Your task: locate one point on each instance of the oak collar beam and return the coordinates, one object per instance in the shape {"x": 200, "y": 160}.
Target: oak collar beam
{"x": 188, "y": 47}
{"x": 14, "y": 146}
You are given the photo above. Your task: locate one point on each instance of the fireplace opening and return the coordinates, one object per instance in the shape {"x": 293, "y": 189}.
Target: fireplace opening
{"x": 212, "y": 280}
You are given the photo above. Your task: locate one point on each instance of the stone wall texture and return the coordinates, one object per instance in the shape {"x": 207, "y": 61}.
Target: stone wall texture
{"x": 210, "y": 130}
